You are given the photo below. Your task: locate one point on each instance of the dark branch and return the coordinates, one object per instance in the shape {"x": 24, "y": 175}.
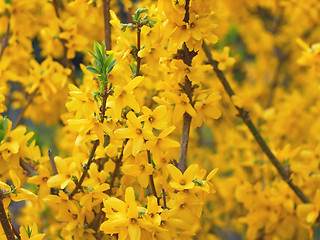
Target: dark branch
{"x": 244, "y": 115}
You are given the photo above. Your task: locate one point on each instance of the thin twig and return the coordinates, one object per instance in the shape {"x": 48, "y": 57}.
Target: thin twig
{"x": 16, "y": 233}
{"x": 54, "y": 191}
{"x": 5, "y": 41}
{"x": 182, "y": 163}
{"x": 107, "y": 25}
{"x": 29, "y": 101}
{"x": 152, "y": 185}
{"x": 281, "y": 57}
{"x": 86, "y": 169}
{"x": 164, "y": 199}
{"x": 52, "y": 162}
{"x": 118, "y": 162}
{"x": 6, "y": 226}
{"x": 138, "y": 59}
{"x": 25, "y": 166}
{"x": 56, "y": 7}
{"x": 244, "y": 115}
{"x": 96, "y": 221}
{"x": 95, "y": 145}
{"x": 186, "y": 55}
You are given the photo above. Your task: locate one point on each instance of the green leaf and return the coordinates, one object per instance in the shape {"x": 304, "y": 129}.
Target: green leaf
{"x": 123, "y": 26}
{"x": 3, "y": 128}
{"x": 28, "y": 231}
{"x": 97, "y": 65}
{"x": 136, "y": 16}
{"x": 97, "y": 47}
{"x": 198, "y": 182}
{"x": 141, "y": 212}
{"x": 91, "y": 69}
{"x": 92, "y": 54}
{"x": 8, "y": 2}
{"x": 111, "y": 66}
{"x": 107, "y": 62}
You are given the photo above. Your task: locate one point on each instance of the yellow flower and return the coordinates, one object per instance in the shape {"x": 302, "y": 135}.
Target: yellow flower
{"x": 89, "y": 129}
{"x": 140, "y": 168}
{"x": 309, "y": 212}
{"x": 31, "y": 233}
{"x": 123, "y": 96}
{"x": 123, "y": 217}
{"x": 181, "y": 105}
{"x": 41, "y": 180}
{"x": 181, "y": 181}
{"x": 136, "y": 134}
{"x": 156, "y": 118}
{"x": 67, "y": 168}
{"x": 20, "y": 194}
{"x": 224, "y": 59}
{"x": 207, "y": 107}
{"x": 161, "y": 143}
{"x": 82, "y": 102}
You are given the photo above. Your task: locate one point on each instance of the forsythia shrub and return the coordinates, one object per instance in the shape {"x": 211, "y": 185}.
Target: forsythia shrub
{"x": 136, "y": 138}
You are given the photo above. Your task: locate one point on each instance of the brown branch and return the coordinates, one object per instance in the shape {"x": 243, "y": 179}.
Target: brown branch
{"x": 282, "y": 57}
{"x": 52, "y": 162}
{"x": 25, "y": 166}
{"x": 86, "y": 169}
{"x": 186, "y": 55}
{"x": 164, "y": 199}
{"x": 107, "y": 25}
{"x": 96, "y": 221}
{"x": 182, "y": 163}
{"x": 187, "y": 88}
{"x": 16, "y": 233}
{"x": 95, "y": 145}
{"x": 4, "y": 220}
{"x": 152, "y": 185}
{"x": 54, "y": 191}
{"x": 5, "y": 41}
{"x": 29, "y": 101}
{"x": 116, "y": 169}
{"x": 138, "y": 59}
{"x": 244, "y": 115}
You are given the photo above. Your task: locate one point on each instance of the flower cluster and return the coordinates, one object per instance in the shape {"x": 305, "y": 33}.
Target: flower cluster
{"x": 124, "y": 140}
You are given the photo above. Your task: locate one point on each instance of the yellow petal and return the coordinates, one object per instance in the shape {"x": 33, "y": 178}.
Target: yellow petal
{"x": 167, "y": 131}
{"x": 15, "y": 179}
{"x": 129, "y": 196}
{"x": 134, "y": 232}
{"x": 174, "y": 172}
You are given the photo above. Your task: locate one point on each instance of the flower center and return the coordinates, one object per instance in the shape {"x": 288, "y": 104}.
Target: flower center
{"x": 183, "y": 182}
{"x": 151, "y": 119}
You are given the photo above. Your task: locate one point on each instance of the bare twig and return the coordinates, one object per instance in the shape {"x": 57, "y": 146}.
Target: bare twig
{"x": 164, "y": 199}
{"x": 86, "y": 169}
{"x": 6, "y": 226}
{"x": 107, "y": 25}
{"x": 244, "y": 115}
{"x": 25, "y": 166}
{"x": 5, "y": 41}
{"x": 16, "y": 233}
{"x": 152, "y": 185}
{"x": 52, "y": 162}
{"x": 96, "y": 222}
{"x": 29, "y": 101}
{"x": 186, "y": 55}
{"x": 137, "y": 51}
